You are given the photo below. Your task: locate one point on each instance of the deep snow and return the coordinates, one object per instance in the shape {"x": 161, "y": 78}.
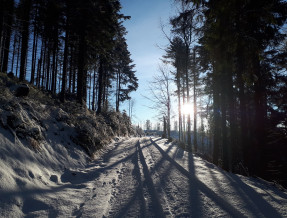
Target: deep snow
{"x": 136, "y": 177}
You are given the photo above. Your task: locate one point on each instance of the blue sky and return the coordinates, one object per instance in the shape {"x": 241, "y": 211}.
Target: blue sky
{"x": 143, "y": 38}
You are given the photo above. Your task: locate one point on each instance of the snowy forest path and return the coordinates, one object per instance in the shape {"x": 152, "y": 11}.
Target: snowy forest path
{"x": 150, "y": 177}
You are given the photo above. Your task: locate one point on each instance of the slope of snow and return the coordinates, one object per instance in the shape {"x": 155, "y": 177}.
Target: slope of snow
{"x": 25, "y": 172}
{"x": 137, "y": 177}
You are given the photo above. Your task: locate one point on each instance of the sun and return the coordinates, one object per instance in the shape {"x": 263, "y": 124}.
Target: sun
{"x": 187, "y": 109}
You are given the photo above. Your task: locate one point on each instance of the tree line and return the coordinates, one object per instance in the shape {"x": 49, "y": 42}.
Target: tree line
{"x": 73, "y": 49}
{"x": 231, "y": 54}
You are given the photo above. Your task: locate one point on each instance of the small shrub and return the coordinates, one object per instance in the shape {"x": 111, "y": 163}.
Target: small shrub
{"x": 34, "y": 144}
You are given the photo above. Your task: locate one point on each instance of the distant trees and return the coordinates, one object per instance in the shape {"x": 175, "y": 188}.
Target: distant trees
{"x": 69, "y": 48}
{"x": 239, "y": 56}
{"x": 160, "y": 92}
{"x": 148, "y": 125}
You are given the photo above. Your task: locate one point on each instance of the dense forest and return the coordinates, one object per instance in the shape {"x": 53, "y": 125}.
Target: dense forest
{"x": 72, "y": 49}
{"x": 229, "y": 60}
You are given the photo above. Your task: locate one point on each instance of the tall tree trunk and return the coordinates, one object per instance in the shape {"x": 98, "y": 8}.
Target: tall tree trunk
{"x": 168, "y": 107}
{"x": 34, "y": 60}
{"x": 1, "y": 28}
{"x": 39, "y": 67}
{"x": 64, "y": 76}
{"x": 259, "y": 165}
{"x": 14, "y": 51}
{"x": 18, "y": 56}
{"x": 34, "y": 52}
{"x": 89, "y": 88}
{"x": 70, "y": 70}
{"x": 25, "y": 37}
{"x": 54, "y": 60}
{"x": 94, "y": 91}
{"x": 216, "y": 117}
{"x": 48, "y": 68}
{"x": 183, "y": 115}
{"x": 105, "y": 90}
{"x": 168, "y": 117}
{"x": 164, "y": 127}
{"x": 179, "y": 106}
{"x": 100, "y": 84}
{"x": 224, "y": 131}
{"x": 44, "y": 60}
{"x": 2, "y": 8}
{"x": 82, "y": 73}
{"x": 54, "y": 71}
{"x": 232, "y": 148}
{"x": 118, "y": 91}
{"x": 74, "y": 79}
{"x": 194, "y": 104}
{"x": 244, "y": 130}
{"x": 187, "y": 99}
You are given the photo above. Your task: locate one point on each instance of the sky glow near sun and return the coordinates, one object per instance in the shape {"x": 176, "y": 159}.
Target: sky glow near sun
{"x": 187, "y": 109}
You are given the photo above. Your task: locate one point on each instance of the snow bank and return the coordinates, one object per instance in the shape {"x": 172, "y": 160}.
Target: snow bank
{"x": 40, "y": 140}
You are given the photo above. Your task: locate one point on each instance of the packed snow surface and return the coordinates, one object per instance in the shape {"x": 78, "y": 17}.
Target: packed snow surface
{"x": 136, "y": 177}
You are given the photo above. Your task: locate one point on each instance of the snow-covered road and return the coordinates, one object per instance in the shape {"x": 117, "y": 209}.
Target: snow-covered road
{"x": 147, "y": 177}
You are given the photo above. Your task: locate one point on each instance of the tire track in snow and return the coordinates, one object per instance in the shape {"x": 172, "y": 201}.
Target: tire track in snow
{"x": 157, "y": 207}
{"x": 172, "y": 186}
{"x": 159, "y": 177}
{"x": 124, "y": 184}
{"x": 135, "y": 206}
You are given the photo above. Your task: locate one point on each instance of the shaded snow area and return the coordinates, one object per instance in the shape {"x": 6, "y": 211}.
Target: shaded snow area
{"x": 136, "y": 177}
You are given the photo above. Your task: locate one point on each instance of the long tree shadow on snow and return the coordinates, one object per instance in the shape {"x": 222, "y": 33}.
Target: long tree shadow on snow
{"x": 193, "y": 198}
{"x": 253, "y": 200}
{"x": 72, "y": 179}
{"x": 157, "y": 210}
{"x": 194, "y": 209}
{"x": 196, "y": 186}
{"x": 91, "y": 173}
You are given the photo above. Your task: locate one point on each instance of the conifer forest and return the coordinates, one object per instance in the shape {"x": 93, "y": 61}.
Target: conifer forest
{"x": 68, "y": 48}
{"x": 230, "y": 58}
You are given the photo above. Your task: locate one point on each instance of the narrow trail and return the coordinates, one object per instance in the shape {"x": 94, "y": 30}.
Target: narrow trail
{"x": 148, "y": 177}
